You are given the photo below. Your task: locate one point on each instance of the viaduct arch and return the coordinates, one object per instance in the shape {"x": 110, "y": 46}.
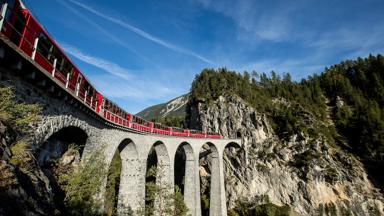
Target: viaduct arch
{"x": 138, "y": 146}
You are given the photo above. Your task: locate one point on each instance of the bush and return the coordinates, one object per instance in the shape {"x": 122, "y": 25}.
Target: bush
{"x": 254, "y": 208}
{"x": 17, "y": 115}
{"x": 21, "y": 157}
{"x": 168, "y": 203}
{"x": 174, "y": 121}
{"x": 180, "y": 206}
{"x": 83, "y": 186}
{"x": 271, "y": 209}
{"x": 113, "y": 183}
{"x": 304, "y": 159}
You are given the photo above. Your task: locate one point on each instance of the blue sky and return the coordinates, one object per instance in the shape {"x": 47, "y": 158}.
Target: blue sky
{"x": 140, "y": 53}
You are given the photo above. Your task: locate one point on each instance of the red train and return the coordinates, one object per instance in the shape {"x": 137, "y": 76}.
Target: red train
{"x": 20, "y": 27}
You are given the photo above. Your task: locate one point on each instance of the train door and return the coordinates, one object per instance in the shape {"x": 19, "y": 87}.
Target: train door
{"x": 78, "y": 83}
{"x": 30, "y": 34}
{"x": 99, "y": 99}
{"x": 102, "y": 107}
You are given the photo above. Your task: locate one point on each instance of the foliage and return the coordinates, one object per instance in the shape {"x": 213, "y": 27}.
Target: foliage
{"x": 305, "y": 158}
{"x": 180, "y": 206}
{"x": 204, "y": 203}
{"x": 167, "y": 203}
{"x": 150, "y": 192}
{"x": 350, "y": 94}
{"x": 83, "y": 185}
{"x": 73, "y": 148}
{"x": 271, "y": 209}
{"x": 17, "y": 115}
{"x": 21, "y": 156}
{"x": 357, "y": 92}
{"x": 174, "y": 121}
{"x": 113, "y": 183}
{"x": 331, "y": 174}
{"x": 252, "y": 207}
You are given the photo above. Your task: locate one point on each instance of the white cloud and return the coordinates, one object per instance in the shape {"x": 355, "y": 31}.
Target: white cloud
{"x": 140, "y": 32}
{"x": 356, "y": 39}
{"x": 105, "y": 32}
{"x": 119, "y": 82}
{"x": 112, "y": 86}
{"x": 308, "y": 40}
{"x": 253, "y": 21}
{"x": 103, "y": 64}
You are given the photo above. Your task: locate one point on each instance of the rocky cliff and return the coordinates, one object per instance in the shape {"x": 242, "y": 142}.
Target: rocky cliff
{"x": 28, "y": 185}
{"x": 310, "y": 174}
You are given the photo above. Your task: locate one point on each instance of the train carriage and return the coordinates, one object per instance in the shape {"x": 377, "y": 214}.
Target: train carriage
{"x": 22, "y": 28}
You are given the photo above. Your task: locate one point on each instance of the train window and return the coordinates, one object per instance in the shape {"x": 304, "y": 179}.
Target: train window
{"x": 86, "y": 86}
{"x": 102, "y": 104}
{"x": 17, "y": 22}
{"x": 67, "y": 68}
{"x": 91, "y": 92}
{"x": 60, "y": 62}
{"x": 11, "y": 5}
{"x": 106, "y": 106}
{"x": 79, "y": 80}
{"x": 45, "y": 47}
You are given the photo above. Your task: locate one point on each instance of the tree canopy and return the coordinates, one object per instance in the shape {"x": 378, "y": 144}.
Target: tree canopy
{"x": 350, "y": 94}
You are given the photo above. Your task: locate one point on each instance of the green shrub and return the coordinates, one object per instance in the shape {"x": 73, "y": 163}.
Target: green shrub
{"x": 174, "y": 121}
{"x": 113, "y": 183}
{"x": 259, "y": 206}
{"x": 331, "y": 174}
{"x": 271, "y": 209}
{"x": 21, "y": 156}
{"x": 204, "y": 203}
{"x": 168, "y": 203}
{"x": 304, "y": 159}
{"x": 17, "y": 115}
{"x": 83, "y": 186}
{"x": 180, "y": 206}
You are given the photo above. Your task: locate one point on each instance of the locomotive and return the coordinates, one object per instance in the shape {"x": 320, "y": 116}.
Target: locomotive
{"x": 20, "y": 27}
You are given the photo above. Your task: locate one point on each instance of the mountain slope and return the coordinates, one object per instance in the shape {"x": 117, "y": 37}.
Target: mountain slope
{"x": 316, "y": 146}
{"x": 172, "y": 108}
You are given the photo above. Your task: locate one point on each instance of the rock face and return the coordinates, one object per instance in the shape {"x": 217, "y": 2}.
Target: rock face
{"x": 24, "y": 190}
{"x": 28, "y": 186}
{"x": 311, "y": 175}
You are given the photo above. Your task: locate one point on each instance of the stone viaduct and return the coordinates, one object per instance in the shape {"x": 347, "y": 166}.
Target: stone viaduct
{"x": 61, "y": 110}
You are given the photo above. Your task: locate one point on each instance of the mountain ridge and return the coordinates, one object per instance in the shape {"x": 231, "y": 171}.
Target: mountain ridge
{"x": 173, "y": 108}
